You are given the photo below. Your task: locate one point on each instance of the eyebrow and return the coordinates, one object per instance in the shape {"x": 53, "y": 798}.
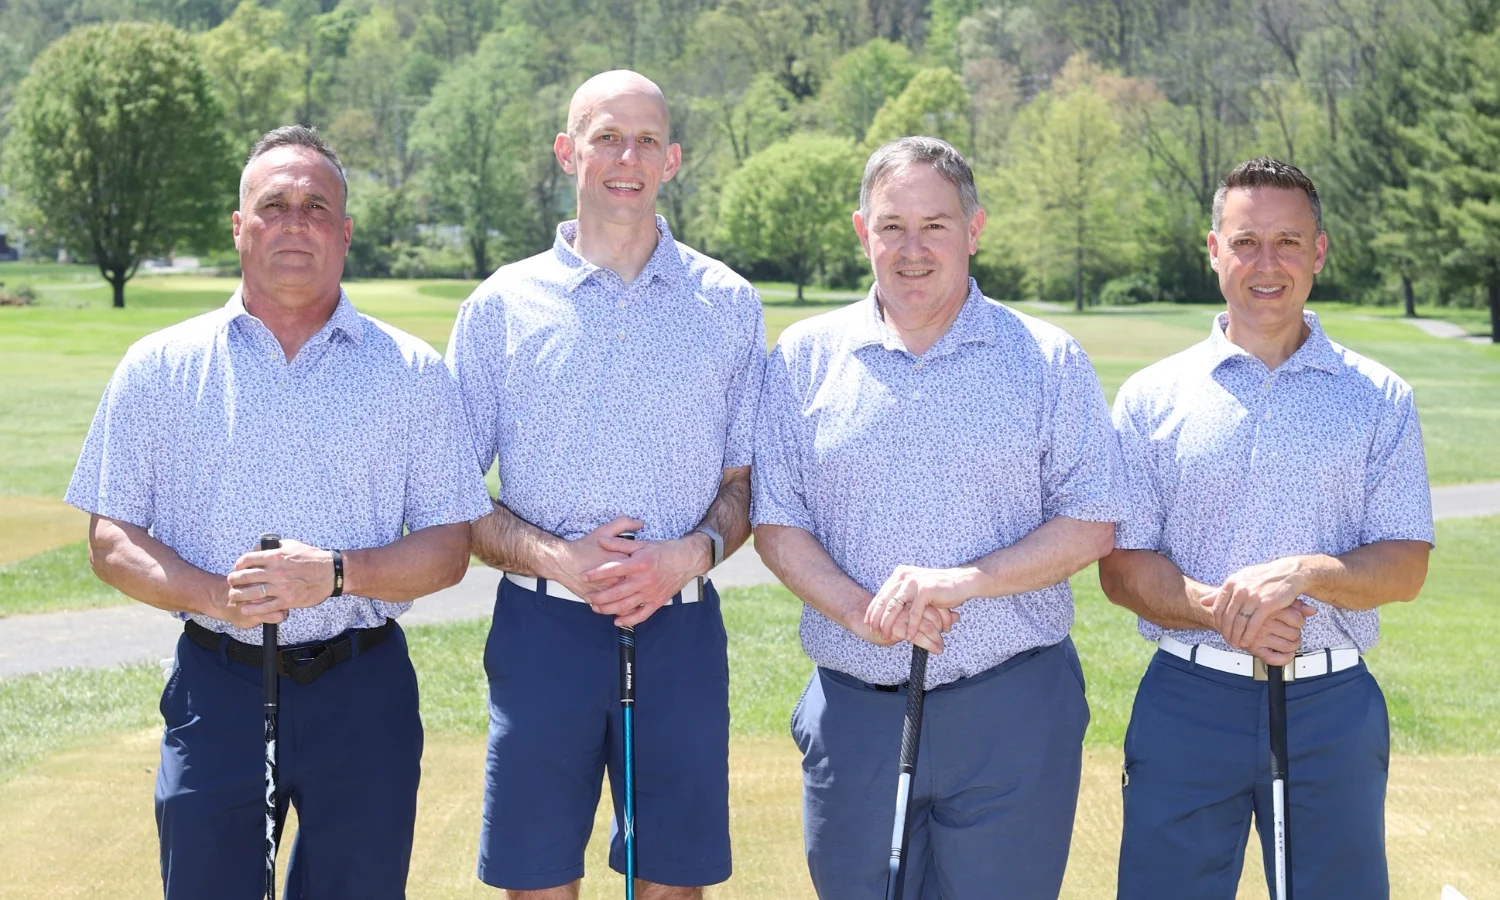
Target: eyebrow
{"x": 314, "y": 196}
{"x": 932, "y": 218}
{"x": 1289, "y": 232}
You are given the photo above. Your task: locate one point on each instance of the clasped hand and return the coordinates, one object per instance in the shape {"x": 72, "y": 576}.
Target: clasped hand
{"x": 266, "y": 583}
{"x": 1259, "y": 610}
{"x": 918, "y": 605}
{"x": 630, "y": 579}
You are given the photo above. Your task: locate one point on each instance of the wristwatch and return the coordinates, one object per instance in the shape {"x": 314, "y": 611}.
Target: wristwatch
{"x": 717, "y": 540}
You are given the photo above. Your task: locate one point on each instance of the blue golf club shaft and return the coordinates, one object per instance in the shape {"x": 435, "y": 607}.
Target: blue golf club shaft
{"x": 626, "y": 637}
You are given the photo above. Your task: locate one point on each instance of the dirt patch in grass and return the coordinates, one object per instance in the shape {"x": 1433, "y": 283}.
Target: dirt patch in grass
{"x": 80, "y": 825}
{"x": 31, "y": 525}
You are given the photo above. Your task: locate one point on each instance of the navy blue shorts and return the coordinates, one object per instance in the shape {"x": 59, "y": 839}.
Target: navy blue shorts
{"x": 349, "y": 749}
{"x": 555, "y": 723}
{"x": 993, "y": 797}
{"x": 1197, "y": 766}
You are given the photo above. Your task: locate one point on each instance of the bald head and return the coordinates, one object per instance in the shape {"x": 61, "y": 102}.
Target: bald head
{"x": 606, "y": 86}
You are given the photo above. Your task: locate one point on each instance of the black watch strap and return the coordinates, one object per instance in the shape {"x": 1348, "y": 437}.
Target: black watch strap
{"x": 338, "y": 572}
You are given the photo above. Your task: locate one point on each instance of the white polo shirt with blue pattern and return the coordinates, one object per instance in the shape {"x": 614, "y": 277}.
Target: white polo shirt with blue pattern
{"x": 1231, "y": 464}
{"x": 889, "y": 458}
{"x": 208, "y": 437}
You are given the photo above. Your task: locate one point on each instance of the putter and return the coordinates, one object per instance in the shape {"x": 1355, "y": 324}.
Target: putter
{"x": 1276, "y": 696}
{"x": 911, "y": 730}
{"x": 627, "y": 712}
{"x": 272, "y": 703}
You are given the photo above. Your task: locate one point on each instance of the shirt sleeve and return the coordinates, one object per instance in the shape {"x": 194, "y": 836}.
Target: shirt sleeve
{"x": 1081, "y": 461}
{"x": 745, "y": 388}
{"x": 776, "y": 479}
{"x": 469, "y": 350}
{"x": 1140, "y": 526}
{"x": 116, "y": 473}
{"x": 444, "y": 486}
{"x": 1398, "y": 500}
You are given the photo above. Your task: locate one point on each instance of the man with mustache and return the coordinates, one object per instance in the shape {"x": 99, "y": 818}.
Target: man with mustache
{"x": 284, "y": 411}
{"x": 930, "y": 467}
{"x": 615, "y": 378}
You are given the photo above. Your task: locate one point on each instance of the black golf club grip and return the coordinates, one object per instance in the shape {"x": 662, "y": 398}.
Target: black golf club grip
{"x": 911, "y": 727}
{"x": 271, "y": 701}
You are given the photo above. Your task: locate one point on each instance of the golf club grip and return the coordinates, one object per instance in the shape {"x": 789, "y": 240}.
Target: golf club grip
{"x": 1281, "y": 798}
{"x": 272, "y": 703}
{"x": 916, "y": 692}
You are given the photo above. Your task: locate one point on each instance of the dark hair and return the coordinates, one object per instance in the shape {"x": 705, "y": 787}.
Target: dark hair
{"x": 295, "y": 136}
{"x": 902, "y": 152}
{"x": 1263, "y": 171}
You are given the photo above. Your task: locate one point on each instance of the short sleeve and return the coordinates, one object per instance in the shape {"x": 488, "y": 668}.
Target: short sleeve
{"x": 470, "y": 351}
{"x": 776, "y": 479}
{"x": 444, "y": 486}
{"x": 1081, "y": 458}
{"x": 745, "y": 387}
{"x": 1141, "y": 526}
{"x": 116, "y": 471}
{"x": 1398, "y": 500}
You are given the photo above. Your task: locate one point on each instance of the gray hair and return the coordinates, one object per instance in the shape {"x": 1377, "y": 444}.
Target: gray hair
{"x": 1263, "y": 171}
{"x": 940, "y": 155}
{"x": 294, "y": 136}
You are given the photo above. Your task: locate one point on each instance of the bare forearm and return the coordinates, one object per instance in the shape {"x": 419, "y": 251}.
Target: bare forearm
{"x": 729, "y": 514}
{"x": 1052, "y": 553}
{"x": 1151, "y": 586}
{"x": 795, "y": 556}
{"x": 417, "y": 564}
{"x": 127, "y": 558}
{"x": 508, "y": 542}
{"x": 1367, "y": 577}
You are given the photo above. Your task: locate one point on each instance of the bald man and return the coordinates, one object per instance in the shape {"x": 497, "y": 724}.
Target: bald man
{"x": 615, "y": 377}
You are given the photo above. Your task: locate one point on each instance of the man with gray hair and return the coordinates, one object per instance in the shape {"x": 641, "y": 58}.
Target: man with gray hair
{"x": 284, "y": 411}
{"x": 930, "y": 467}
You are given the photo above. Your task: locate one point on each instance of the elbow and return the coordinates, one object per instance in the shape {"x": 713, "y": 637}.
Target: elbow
{"x": 456, "y": 563}
{"x": 1112, "y": 576}
{"x": 1097, "y": 542}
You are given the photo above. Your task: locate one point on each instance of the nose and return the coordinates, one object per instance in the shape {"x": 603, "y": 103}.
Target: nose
{"x": 631, "y": 153}
{"x": 295, "y": 219}
{"x": 1265, "y": 257}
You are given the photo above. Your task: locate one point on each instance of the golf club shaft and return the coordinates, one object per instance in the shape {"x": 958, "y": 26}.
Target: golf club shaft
{"x": 1276, "y": 698}
{"x": 272, "y": 703}
{"x": 626, "y": 637}
{"x": 911, "y": 732}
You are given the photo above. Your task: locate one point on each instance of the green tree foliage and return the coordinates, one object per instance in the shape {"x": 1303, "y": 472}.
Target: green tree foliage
{"x": 790, "y": 205}
{"x": 862, "y": 81}
{"x": 935, "y": 103}
{"x": 253, "y": 76}
{"x": 116, "y": 148}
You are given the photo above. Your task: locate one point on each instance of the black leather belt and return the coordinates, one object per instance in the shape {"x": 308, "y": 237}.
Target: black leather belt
{"x": 304, "y": 663}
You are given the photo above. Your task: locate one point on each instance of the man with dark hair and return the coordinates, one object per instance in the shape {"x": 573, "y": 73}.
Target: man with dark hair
{"x": 285, "y": 411}
{"x": 922, "y": 455}
{"x": 1278, "y": 497}
{"x": 615, "y": 378}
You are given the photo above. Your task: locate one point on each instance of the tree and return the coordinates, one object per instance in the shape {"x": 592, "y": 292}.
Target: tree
{"x": 790, "y": 205}
{"x": 252, "y": 75}
{"x": 862, "y": 81}
{"x": 116, "y": 149}
{"x": 934, "y": 104}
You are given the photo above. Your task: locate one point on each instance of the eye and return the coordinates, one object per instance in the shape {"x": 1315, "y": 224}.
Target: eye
{"x": 648, "y": 140}
{"x": 935, "y": 225}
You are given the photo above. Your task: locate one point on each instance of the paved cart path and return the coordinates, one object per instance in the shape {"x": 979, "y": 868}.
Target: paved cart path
{"x": 118, "y": 635}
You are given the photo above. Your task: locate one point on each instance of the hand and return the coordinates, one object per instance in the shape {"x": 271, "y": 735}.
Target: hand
{"x": 636, "y": 587}
{"x": 587, "y": 553}
{"x": 900, "y": 604}
{"x": 1282, "y": 637}
{"x": 293, "y": 576}
{"x": 220, "y": 608}
{"x": 1250, "y": 597}
{"x": 936, "y": 621}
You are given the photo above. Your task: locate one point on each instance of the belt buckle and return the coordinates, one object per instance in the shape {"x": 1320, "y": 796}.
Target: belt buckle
{"x": 304, "y": 654}
{"x": 1288, "y": 673}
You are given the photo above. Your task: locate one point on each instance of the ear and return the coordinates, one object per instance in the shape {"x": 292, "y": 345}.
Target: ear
{"x": 976, "y": 228}
{"x": 238, "y": 222}
{"x": 863, "y": 232}
{"x": 1321, "y": 245}
{"x": 1213, "y": 251}
{"x": 562, "y": 148}
{"x": 674, "y": 161}
{"x": 348, "y": 233}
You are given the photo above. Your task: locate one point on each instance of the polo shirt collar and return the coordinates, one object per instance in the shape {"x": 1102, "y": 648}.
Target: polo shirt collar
{"x": 972, "y": 326}
{"x": 345, "y": 320}
{"x": 665, "y": 263}
{"x": 1317, "y": 352}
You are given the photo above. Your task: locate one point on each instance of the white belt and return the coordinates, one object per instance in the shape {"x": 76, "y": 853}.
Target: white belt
{"x": 692, "y": 592}
{"x": 1309, "y": 665}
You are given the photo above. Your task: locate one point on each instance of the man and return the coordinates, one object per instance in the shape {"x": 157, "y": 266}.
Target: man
{"x": 284, "y": 411}
{"x": 1278, "y": 497}
{"x": 615, "y": 377}
{"x": 923, "y": 454}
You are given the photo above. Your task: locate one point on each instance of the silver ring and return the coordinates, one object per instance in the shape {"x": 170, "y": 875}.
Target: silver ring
{"x": 262, "y": 590}
{"x": 1244, "y": 614}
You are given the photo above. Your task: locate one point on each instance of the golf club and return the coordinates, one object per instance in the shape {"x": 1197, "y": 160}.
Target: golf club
{"x": 272, "y": 703}
{"x": 626, "y": 637}
{"x": 1276, "y": 697}
{"x": 911, "y": 730}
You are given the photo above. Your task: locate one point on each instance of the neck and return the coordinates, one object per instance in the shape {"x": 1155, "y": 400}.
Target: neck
{"x": 920, "y": 328}
{"x": 623, "y": 249}
{"x": 292, "y": 319}
{"x": 1272, "y": 345}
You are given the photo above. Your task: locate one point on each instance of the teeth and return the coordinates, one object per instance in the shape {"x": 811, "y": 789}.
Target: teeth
{"x": 913, "y": 273}
{"x": 626, "y": 185}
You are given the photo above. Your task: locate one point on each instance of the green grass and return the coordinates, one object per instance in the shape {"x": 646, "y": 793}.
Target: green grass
{"x": 1434, "y": 662}
{"x": 57, "y": 579}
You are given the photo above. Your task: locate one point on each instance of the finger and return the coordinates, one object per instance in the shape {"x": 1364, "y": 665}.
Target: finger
{"x": 259, "y": 559}
{"x": 1307, "y": 609}
{"x": 619, "y": 525}
{"x": 245, "y": 577}
{"x": 928, "y": 640}
{"x": 637, "y": 616}
{"x": 1279, "y": 630}
{"x": 623, "y": 545}
{"x": 892, "y": 609}
{"x": 615, "y": 569}
{"x": 1274, "y": 657}
{"x": 918, "y": 604}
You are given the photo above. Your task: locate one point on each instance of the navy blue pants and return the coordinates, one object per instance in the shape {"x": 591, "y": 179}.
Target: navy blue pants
{"x": 1197, "y": 767}
{"x": 993, "y": 796}
{"x": 555, "y": 728}
{"x": 350, "y": 744}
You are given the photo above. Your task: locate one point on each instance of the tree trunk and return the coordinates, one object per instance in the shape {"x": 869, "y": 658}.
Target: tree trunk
{"x": 800, "y": 279}
{"x": 1494, "y": 307}
{"x": 117, "y": 282}
{"x": 1408, "y": 296}
{"x": 481, "y": 258}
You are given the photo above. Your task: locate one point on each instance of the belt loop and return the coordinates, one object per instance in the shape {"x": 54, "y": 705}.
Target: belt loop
{"x": 223, "y": 649}
{"x": 354, "y": 643}
{"x": 541, "y": 586}
{"x": 1193, "y": 655}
